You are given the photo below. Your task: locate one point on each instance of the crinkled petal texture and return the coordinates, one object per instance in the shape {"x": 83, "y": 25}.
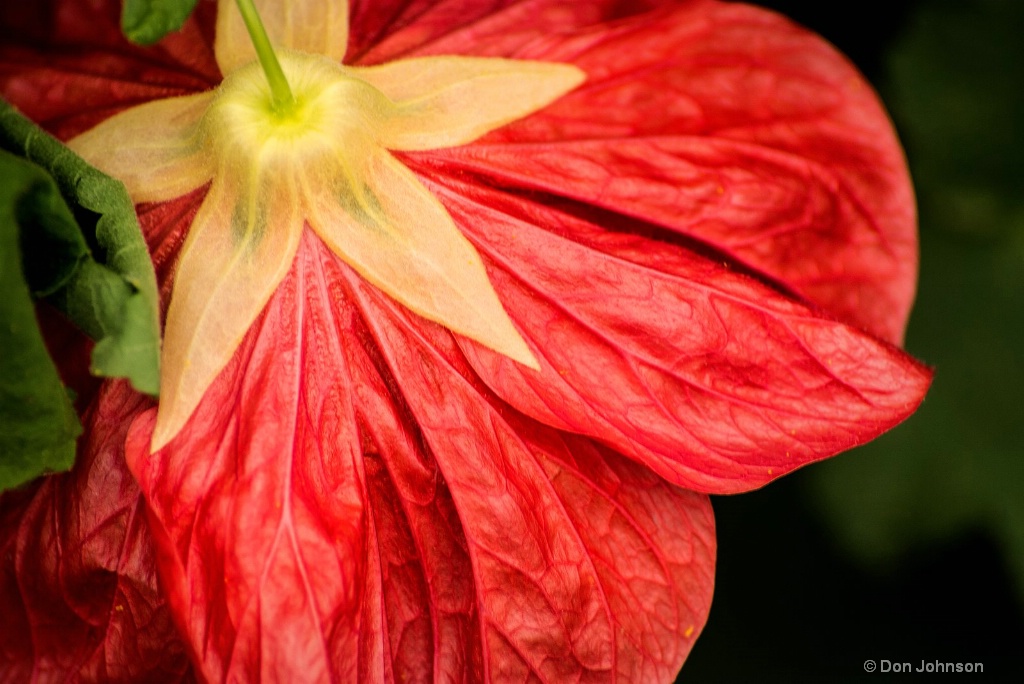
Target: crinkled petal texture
{"x": 710, "y": 248}
{"x": 78, "y": 580}
{"x": 707, "y": 376}
{"x": 370, "y": 511}
{"x": 66, "y": 64}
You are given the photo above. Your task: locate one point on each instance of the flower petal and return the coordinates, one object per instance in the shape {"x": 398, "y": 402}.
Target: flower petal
{"x": 314, "y": 26}
{"x": 359, "y": 479}
{"x": 424, "y": 611}
{"x": 311, "y": 431}
{"x": 794, "y": 219}
{"x": 241, "y": 245}
{"x": 722, "y": 122}
{"x": 69, "y": 68}
{"x": 78, "y": 586}
{"x": 154, "y": 168}
{"x": 382, "y": 32}
{"x": 564, "y": 538}
{"x": 261, "y": 530}
{"x": 714, "y": 380}
{"x": 449, "y": 101}
{"x": 399, "y": 237}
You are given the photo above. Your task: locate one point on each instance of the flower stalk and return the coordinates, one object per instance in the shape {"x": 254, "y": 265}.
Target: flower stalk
{"x": 280, "y": 91}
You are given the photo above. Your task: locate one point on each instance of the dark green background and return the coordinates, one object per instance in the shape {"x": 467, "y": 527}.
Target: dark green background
{"x": 911, "y": 548}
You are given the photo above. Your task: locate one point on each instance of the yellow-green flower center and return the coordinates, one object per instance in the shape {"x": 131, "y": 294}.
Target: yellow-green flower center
{"x": 330, "y": 124}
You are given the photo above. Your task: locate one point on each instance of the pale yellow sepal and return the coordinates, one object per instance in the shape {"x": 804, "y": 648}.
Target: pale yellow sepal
{"x": 154, "y": 149}
{"x": 449, "y": 101}
{"x": 395, "y": 233}
{"x": 322, "y": 160}
{"x": 314, "y": 26}
{"x": 241, "y": 245}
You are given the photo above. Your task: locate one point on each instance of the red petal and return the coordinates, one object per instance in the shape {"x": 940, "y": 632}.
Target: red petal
{"x": 722, "y": 122}
{"x": 714, "y": 380}
{"x": 385, "y": 30}
{"x": 586, "y": 565}
{"x": 337, "y": 530}
{"x": 67, "y": 66}
{"x": 262, "y": 530}
{"x": 78, "y": 589}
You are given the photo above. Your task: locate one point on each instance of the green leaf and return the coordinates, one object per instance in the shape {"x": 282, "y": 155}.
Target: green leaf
{"x": 103, "y": 279}
{"x": 38, "y": 425}
{"x": 147, "y": 21}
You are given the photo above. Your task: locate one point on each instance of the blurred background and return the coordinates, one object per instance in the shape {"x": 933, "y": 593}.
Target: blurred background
{"x": 910, "y": 548}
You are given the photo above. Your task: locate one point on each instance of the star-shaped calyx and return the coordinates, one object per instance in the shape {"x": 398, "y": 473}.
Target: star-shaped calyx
{"x": 317, "y": 157}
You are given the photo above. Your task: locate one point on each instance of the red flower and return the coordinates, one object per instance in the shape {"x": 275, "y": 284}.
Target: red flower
{"x": 709, "y": 250}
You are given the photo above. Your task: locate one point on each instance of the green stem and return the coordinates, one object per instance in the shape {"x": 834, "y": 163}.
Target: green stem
{"x": 279, "y": 88}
